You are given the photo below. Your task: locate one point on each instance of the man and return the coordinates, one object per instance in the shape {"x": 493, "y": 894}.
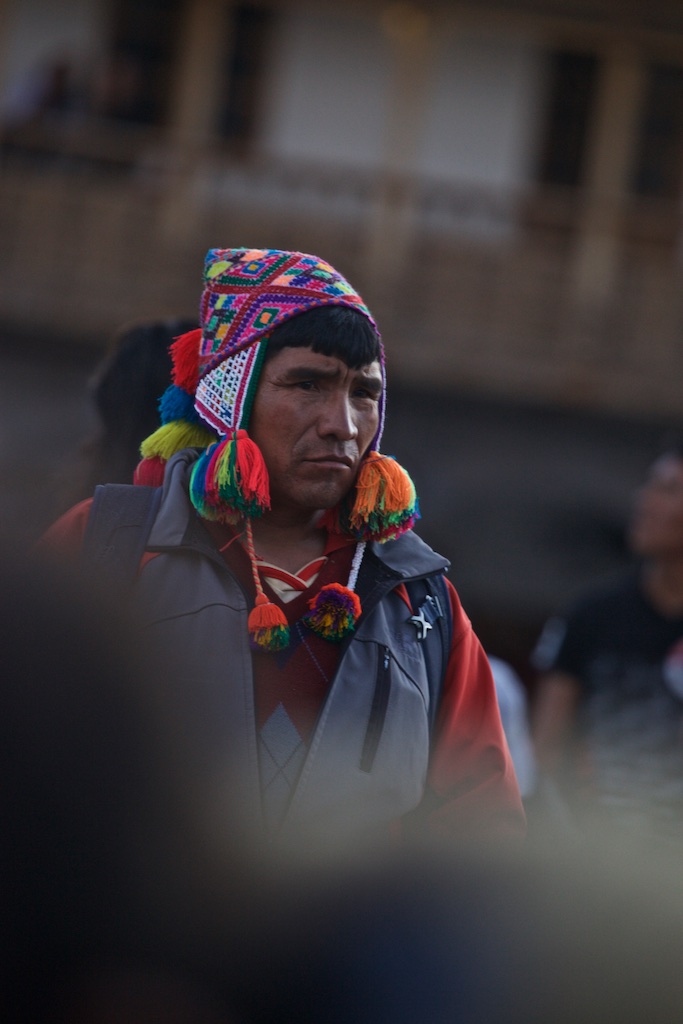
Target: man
{"x": 609, "y": 712}
{"x": 282, "y": 572}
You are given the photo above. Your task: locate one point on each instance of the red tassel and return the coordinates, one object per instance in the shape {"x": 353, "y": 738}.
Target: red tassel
{"x": 185, "y": 354}
{"x": 251, "y": 471}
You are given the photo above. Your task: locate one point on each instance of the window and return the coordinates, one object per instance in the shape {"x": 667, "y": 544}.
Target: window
{"x": 134, "y": 82}
{"x": 245, "y": 63}
{"x": 659, "y": 155}
{"x": 572, "y": 84}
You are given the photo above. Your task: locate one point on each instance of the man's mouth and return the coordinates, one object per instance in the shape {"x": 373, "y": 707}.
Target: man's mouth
{"x": 331, "y": 461}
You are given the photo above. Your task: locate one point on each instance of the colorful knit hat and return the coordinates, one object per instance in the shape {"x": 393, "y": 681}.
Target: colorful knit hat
{"x": 247, "y": 293}
{"x": 216, "y": 370}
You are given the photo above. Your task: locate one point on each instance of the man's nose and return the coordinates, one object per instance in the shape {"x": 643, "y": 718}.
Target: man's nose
{"x": 337, "y": 418}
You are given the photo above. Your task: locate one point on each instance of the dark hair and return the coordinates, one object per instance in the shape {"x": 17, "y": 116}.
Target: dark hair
{"x": 125, "y": 392}
{"x": 331, "y": 331}
{"x": 131, "y": 379}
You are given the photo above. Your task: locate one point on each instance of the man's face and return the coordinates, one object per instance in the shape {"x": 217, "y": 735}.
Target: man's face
{"x": 656, "y": 528}
{"x": 313, "y": 419}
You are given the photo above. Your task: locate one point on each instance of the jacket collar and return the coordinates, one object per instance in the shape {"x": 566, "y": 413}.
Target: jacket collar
{"x": 177, "y": 525}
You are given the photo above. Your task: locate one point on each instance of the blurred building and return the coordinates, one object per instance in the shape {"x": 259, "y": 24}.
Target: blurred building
{"x": 501, "y": 178}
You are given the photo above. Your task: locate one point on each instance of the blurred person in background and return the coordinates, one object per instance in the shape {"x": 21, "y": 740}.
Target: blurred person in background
{"x": 125, "y": 390}
{"x": 46, "y": 90}
{"x": 608, "y": 716}
{"x": 514, "y": 712}
{"x": 329, "y": 665}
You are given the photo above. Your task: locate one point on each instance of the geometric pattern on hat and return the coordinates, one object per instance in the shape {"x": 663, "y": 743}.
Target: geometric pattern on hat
{"x": 247, "y": 293}
{"x": 223, "y": 397}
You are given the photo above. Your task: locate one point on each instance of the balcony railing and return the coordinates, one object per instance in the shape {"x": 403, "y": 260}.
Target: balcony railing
{"x": 472, "y": 289}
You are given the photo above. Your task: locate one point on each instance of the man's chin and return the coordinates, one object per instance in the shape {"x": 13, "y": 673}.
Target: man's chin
{"x": 326, "y": 498}
{"x": 328, "y": 502}
{"x": 312, "y": 500}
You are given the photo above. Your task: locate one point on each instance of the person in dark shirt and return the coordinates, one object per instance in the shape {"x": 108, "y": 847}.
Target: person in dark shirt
{"x": 608, "y": 718}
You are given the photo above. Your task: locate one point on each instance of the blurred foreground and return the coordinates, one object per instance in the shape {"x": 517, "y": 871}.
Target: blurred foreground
{"x": 130, "y": 893}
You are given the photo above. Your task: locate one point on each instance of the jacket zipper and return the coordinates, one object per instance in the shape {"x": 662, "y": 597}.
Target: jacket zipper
{"x": 378, "y": 711}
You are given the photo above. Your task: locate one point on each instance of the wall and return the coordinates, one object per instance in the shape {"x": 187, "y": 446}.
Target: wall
{"x": 482, "y": 114}
{"x": 326, "y": 90}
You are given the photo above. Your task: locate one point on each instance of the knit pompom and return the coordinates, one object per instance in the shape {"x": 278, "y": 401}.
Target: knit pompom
{"x": 197, "y": 492}
{"x": 252, "y": 475}
{"x": 333, "y": 612}
{"x": 230, "y": 480}
{"x": 185, "y": 355}
{"x": 268, "y": 629}
{"x": 149, "y": 472}
{"x": 173, "y": 437}
{"x": 385, "y": 503}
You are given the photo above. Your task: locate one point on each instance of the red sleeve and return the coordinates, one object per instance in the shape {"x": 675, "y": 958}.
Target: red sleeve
{"x": 472, "y": 788}
{"x": 65, "y": 537}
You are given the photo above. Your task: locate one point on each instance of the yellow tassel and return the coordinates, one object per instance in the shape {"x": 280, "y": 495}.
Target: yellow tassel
{"x": 173, "y": 437}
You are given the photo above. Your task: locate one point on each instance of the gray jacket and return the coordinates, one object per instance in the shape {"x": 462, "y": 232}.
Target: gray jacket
{"x": 367, "y": 760}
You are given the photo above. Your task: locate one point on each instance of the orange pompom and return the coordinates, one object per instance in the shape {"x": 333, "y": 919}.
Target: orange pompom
{"x": 382, "y": 485}
{"x": 268, "y": 628}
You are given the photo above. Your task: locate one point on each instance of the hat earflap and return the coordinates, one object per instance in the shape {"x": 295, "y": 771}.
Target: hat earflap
{"x": 384, "y": 502}
{"x": 229, "y": 481}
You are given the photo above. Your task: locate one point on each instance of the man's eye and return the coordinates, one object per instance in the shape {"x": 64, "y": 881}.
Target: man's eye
{"x": 304, "y": 385}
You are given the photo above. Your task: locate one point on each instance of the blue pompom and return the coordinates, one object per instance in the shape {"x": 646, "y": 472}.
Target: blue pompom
{"x": 176, "y": 404}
